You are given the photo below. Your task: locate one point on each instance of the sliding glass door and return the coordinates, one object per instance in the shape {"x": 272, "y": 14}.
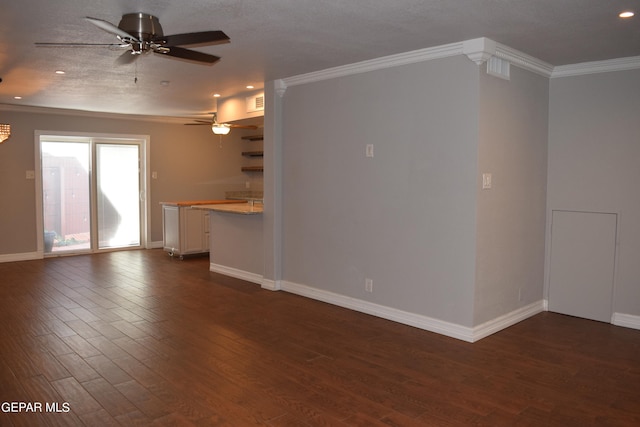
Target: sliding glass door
{"x": 118, "y": 195}
{"x": 91, "y": 194}
{"x": 66, "y": 195}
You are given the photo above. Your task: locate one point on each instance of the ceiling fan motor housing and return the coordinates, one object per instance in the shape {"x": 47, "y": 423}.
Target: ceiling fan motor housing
{"x": 142, "y": 26}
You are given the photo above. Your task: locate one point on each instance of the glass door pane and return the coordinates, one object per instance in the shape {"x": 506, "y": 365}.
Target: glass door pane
{"x": 118, "y": 195}
{"x": 66, "y": 196}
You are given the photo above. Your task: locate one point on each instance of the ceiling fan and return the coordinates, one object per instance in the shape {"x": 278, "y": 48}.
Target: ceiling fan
{"x": 220, "y": 128}
{"x": 141, "y": 33}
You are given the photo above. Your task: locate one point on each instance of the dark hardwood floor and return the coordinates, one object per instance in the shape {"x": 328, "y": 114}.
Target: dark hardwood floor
{"x": 138, "y": 338}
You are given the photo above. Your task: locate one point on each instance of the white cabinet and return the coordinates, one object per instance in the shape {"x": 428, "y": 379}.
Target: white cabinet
{"x": 185, "y": 230}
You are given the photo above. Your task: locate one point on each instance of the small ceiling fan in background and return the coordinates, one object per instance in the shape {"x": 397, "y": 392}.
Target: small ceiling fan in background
{"x": 141, "y": 33}
{"x": 220, "y": 128}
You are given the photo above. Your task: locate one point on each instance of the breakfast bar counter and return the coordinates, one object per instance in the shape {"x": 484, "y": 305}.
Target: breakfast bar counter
{"x": 187, "y": 203}
{"x": 242, "y": 208}
{"x": 185, "y": 231}
{"x": 236, "y": 239}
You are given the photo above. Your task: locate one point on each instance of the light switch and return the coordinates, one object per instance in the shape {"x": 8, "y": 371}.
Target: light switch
{"x": 369, "y": 150}
{"x": 154, "y": 175}
{"x": 31, "y": 175}
{"x": 486, "y": 181}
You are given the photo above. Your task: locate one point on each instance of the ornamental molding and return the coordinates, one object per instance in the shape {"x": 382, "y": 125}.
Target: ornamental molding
{"x": 596, "y": 67}
{"x": 280, "y": 87}
{"x": 522, "y": 60}
{"x": 405, "y": 58}
{"x": 477, "y": 50}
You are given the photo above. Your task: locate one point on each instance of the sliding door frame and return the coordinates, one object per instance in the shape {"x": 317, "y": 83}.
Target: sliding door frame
{"x": 145, "y": 179}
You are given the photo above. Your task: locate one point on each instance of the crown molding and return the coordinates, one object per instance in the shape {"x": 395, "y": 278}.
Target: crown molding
{"x": 405, "y": 58}
{"x": 594, "y": 67}
{"x": 478, "y": 50}
{"x": 93, "y": 114}
{"x": 522, "y": 60}
{"x": 482, "y": 49}
{"x": 280, "y": 87}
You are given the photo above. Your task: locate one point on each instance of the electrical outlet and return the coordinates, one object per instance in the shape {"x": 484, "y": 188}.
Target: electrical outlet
{"x": 368, "y": 285}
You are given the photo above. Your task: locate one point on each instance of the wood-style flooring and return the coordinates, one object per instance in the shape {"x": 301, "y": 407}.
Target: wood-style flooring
{"x": 138, "y": 338}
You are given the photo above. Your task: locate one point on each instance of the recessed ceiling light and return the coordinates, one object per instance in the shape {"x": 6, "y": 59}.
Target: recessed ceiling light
{"x": 60, "y": 72}
{"x": 216, "y": 95}
{"x": 249, "y": 86}
{"x": 17, "y": 97}
{"x": 626, "y": 14}
{"x": 164, "y": 83}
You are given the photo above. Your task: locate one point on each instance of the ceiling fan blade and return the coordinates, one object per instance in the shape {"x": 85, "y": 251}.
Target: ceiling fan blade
{"x": 242, "y": 126}
{"x": 189, "y": 55}
{"x": 126, "y": 58}
{"x": 203, "y": 38}
{"x": 45, "y": 44}
{"x": 110, "y": 28}
{"x": 231, "y": 125}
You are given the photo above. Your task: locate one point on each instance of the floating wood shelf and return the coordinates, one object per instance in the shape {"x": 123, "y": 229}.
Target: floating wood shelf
{"x": 253, "y": 153}
{"x": 253, "y": 137}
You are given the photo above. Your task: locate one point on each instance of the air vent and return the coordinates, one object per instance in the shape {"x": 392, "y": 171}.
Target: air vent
{"x": 499, "y": 67}
{"x": 255, "y": 103}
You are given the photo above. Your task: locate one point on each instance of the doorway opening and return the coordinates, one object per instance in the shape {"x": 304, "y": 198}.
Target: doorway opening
{"x": 91, "y": 193}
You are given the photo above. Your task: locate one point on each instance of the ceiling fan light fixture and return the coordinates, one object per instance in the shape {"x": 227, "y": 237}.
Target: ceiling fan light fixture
{"x": 220, "y": 129}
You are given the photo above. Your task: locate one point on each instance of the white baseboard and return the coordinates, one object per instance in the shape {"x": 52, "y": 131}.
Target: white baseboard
{"x": 618, "y": 319}
{"x": 419, "y": 321}
{"x": 238, "y": 274}
{"x": 509, "y": 319}
{"x": 626, "y": 320}
{"x": 29, "y": 256}
{"x": 449, "y": 329}
{"x": 400, "y": 316}
{"x": 271, "y": 285}
{"x": 25, "y": 256}
{"x": 155, "y": 245}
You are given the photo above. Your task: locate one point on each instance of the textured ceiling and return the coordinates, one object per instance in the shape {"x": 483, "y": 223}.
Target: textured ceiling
{"x": 276, "y": 39}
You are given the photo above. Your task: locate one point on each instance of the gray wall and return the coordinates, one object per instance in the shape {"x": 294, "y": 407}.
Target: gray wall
{"x": 511, "y": 215}
{"x": 405, "y": 218}
{"x": 189, "y": 162}
{"x": 594, "y": 162}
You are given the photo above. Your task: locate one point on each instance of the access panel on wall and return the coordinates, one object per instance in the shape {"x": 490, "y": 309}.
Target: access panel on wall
{"x": 582, "y": 264}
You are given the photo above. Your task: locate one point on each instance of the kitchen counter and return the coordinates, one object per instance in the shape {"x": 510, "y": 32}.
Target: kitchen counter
{"x": 201, "y": 202}
{"x": 244, "y": 195}
{"x": 186, "y": 223}
{"x": 241, "y": 208}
